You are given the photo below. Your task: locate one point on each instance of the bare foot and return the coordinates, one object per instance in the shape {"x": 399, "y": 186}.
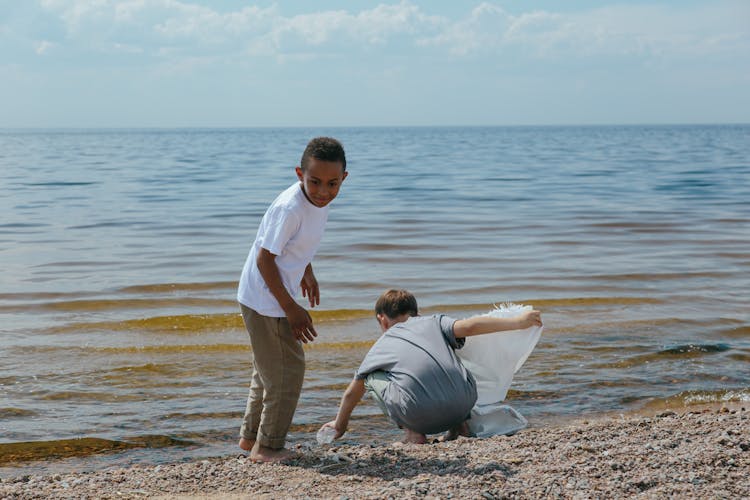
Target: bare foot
{"x": 461, "y": 429}
{"x": 247, "y": 444}
{"x": 262, "y": 454}
{"x": 414, "y": 437}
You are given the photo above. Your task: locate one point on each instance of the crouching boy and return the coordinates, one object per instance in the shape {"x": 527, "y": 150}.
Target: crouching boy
{"x": 413, "y": 372}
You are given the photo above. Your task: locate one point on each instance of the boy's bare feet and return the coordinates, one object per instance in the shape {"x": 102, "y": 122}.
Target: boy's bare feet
{"x": 414, "y": 437}
{"x": 461, "y": 429}
{"x": 247, "y": 444}
{"x": 262, "y": 454}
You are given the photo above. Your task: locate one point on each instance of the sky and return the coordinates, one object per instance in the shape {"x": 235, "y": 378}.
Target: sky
{"x": 232, "y": 63}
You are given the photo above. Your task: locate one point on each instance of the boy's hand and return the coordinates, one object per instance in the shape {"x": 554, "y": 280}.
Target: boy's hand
{"x": 301, "y": 323}
{"x": 332, "y": 425}
{"x": 310, "y": 287}
{"x": 529, "y": 319}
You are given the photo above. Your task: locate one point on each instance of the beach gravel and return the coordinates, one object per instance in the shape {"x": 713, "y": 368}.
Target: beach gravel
{"x": 701, "y": 453}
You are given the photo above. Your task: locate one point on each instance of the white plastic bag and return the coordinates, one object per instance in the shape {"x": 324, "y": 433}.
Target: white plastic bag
{"x": 493, "y": 359}
{"x": 493, "y": 419}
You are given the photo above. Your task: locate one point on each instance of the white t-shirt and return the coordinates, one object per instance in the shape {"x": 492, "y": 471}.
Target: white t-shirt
{"x": 291, "y": 229}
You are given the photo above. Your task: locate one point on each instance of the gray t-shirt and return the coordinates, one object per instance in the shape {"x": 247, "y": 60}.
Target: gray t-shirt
{"x": 430, "y": 391}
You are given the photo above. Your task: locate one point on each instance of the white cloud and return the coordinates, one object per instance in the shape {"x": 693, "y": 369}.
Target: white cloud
{"x": 484, "y": 27}
{"x": 200, "y": 24}
{"x": 615, "y": 31}
{"x": 377, "y": 25}
{"x": 44, "y": 47}
{"x": 156, "y": 26}
{"x": 182, "y": 23}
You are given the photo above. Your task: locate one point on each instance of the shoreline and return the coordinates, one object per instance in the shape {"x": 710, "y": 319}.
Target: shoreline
{"x": 696, "y": 452}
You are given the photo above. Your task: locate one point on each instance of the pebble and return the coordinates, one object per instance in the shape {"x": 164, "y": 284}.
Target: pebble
{"x": 693, "y": 454}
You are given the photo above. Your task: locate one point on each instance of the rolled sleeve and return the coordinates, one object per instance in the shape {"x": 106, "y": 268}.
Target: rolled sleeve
{"x": 446, "y": 325}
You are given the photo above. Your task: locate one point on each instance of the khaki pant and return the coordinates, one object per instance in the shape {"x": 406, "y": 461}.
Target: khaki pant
{"x": 278, "y": 373}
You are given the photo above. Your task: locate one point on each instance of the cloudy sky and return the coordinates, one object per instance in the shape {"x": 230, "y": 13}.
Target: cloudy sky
{"x": 201, "y": 63}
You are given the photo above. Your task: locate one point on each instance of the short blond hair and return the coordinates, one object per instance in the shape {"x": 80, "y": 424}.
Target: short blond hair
{"x": 394, "y": 303}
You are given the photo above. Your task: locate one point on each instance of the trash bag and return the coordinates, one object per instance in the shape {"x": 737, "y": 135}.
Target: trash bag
{"x": 493, "y": 359}
{"x": 493, "y": 419}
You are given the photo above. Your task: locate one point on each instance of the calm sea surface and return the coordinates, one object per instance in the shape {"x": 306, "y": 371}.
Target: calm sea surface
{"x": 121, "y": 341}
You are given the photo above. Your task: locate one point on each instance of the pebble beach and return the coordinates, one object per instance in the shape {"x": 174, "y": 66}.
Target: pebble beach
{"x": 696, "y": 453}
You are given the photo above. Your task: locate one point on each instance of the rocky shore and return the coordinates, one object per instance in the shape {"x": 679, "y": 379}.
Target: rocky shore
{"x": 702, "y": 453}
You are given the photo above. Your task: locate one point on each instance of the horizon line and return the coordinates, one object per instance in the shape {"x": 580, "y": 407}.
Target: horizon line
{"x": 301, "y": 127}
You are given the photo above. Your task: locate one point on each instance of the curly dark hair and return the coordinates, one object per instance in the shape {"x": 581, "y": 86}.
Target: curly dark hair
{"x": 324, "y": 148}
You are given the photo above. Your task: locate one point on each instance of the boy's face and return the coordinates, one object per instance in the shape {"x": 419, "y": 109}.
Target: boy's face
{"x": 321, "y": 180}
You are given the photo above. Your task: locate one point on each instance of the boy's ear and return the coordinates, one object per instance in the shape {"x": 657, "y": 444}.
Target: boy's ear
{"x": 300, "y": 173}
{"x": 382, "y": 321}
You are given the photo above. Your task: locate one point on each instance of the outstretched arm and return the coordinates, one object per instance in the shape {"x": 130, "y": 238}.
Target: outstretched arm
{"x": 349, "y": 400}
{"x": 479, "y": 325}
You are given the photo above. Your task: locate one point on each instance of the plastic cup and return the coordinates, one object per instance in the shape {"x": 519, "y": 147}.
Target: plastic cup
{"x": 326, "y": 435}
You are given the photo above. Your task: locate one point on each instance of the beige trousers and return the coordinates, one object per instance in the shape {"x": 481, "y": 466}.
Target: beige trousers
{"x": 278, "y": 373}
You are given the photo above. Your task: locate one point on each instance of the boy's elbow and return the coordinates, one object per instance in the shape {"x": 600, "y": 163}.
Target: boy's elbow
{"x": 356, "y": 390}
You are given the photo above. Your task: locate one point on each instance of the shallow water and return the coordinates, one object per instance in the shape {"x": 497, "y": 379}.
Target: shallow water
{"x": 120, "y": 251}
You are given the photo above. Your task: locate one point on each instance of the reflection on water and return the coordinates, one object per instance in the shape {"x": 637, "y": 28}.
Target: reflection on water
{"x": 122, "y": 341}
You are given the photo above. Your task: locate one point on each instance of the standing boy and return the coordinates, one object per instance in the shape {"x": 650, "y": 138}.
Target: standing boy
{"x": 278, "y": 266}
{"x": 413, "y": 372}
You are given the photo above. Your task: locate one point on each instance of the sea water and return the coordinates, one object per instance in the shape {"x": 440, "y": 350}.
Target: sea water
{"x": 120, "y": 251}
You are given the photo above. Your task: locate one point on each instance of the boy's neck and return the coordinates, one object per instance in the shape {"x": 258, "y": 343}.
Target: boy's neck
{"x": 386, "y": 322}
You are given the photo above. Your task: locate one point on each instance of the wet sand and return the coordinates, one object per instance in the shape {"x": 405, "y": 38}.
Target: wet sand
{"x": 698, "y": 453}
